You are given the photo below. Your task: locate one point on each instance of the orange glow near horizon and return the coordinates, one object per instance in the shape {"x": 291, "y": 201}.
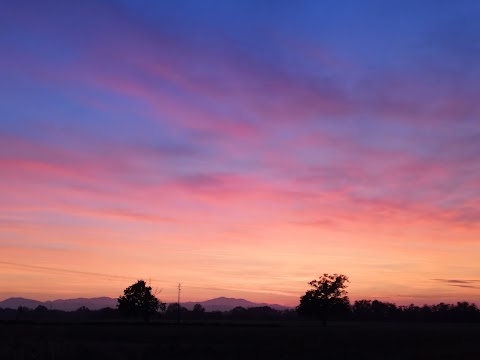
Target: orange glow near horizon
{"x": 268, "y": 267}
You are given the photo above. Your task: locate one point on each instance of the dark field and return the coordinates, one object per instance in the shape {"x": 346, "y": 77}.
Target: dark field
{"x": 280, "y": 340}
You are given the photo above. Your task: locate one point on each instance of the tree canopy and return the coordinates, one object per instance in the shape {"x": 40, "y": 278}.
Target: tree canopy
{"x": 329, "y": 294}
{"x": 138, "y": 300}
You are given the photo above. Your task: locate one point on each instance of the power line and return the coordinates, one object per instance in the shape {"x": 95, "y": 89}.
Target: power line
{"x": 77, "y": 272}
{"x": 178, "y": 309}
{"x": 111, "y": 277}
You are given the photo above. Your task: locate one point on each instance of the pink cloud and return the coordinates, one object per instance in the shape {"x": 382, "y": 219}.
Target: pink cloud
{"x": 266, "y": 167}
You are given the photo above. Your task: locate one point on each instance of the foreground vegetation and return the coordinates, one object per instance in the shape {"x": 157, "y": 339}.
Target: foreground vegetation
{"x": 142, "y": 327}
{"x": 362, "y": 310}
{"x": 327, "y": 299}
{"x": 238, "y": 340}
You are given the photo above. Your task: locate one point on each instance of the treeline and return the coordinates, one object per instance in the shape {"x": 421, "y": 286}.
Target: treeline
{"x": 366, "y": 310}
{"x": 362, "y": 310}
{"x": 42, "y": 313}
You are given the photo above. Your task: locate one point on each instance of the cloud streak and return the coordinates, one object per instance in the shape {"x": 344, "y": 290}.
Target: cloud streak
{"x": 174, "y": 127}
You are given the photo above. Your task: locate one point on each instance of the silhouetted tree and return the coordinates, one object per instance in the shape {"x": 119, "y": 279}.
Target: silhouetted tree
{"x": 383, "y": 310}
{"x": 138, "y": 300}
{"x": 21, "y": 311}
{"x": 198, "y": 311}
{"x": 289, "y": 314}
{"x": 327, "y": 296}
{"x": 198, "y": 308}
{"x": 465, "y": 311}
{"x": 172, "y": 311}
{"x": 263, "y": 313}
{"x": 214, "y": 315}
{"x": 362, "y": 309}
{"x": 238, "y": 312}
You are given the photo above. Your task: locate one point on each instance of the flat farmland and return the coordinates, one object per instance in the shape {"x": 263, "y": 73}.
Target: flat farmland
{"x": 239, "y": 340}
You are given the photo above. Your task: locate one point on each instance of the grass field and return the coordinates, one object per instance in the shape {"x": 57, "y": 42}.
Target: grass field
{"x": 280, "y": 340}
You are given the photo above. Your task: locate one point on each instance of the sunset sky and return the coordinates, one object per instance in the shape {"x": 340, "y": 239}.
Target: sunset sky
{"x": 240, "y": 148}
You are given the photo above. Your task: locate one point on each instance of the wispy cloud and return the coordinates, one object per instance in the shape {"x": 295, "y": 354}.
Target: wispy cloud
{"x": 463, "y": 283}
{"x": 161, "y": 125}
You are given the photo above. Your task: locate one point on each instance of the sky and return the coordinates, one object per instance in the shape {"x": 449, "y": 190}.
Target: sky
{"x": 240, "y": 148}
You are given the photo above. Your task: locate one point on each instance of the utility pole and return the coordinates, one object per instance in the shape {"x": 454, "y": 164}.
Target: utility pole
{"x": 178, "y": 303}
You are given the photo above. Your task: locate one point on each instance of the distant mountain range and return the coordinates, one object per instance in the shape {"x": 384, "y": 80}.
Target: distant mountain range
{"x": 65, "y": 305}
{"x": 225, "y": 304}
{"x": 217, "y": 304}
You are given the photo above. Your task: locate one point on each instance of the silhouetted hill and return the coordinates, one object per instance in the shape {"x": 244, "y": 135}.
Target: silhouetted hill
{"x": 65, "y": 305}
{"x": 217, "y": 304}
{"x": 74, "y": 304}
{"x": 226, "y": 304}
{"x": 15, "y": 302}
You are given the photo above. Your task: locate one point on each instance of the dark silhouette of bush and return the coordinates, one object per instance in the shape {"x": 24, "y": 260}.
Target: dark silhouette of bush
{"x": 40, "y": 309}
{"x": 214, "y": 315}
{"x": 367, "y": 310}
{"x": 198, "y": 312}
{"x": 21, "y": 312}
{"x": 238, "y": 313}
{"x": 263, "y": 313}
{"x": 361, "y": 310}
{"x": 289, "y": 314}
{"x": 172, "y": 312}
